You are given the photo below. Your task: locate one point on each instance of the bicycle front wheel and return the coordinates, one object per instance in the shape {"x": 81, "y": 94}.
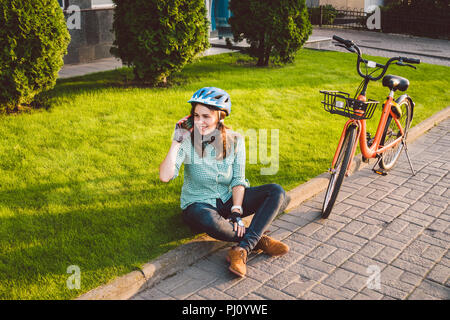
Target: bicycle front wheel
{"x": 392, "y": 132}
{"x": 338, "y": 171}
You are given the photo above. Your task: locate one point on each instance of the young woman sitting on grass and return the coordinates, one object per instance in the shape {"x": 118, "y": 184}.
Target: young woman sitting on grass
{"x": 215, "y": 193}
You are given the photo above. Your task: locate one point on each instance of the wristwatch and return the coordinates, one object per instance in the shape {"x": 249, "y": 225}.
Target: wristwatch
{"x": 237, "y": 207}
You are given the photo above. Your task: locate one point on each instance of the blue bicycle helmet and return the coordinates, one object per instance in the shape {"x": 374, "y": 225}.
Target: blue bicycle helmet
{"x": 214, "y": 97}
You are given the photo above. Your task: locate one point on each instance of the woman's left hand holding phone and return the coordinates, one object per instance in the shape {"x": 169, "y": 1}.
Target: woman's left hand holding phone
{"x": 183, "y": 128}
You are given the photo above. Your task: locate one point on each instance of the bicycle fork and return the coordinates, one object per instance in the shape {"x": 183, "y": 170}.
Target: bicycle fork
{"x": 341, "y": 141}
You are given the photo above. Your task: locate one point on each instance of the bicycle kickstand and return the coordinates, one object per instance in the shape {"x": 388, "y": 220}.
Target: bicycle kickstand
{"x": 407, "y": 156}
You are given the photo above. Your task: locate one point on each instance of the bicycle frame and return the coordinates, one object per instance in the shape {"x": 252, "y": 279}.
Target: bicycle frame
{"x": 375, "y": 149}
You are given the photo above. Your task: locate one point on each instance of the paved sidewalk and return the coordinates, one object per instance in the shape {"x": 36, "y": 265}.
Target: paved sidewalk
{"x": 434, "y": 51}
{"x": 388, "y": 237}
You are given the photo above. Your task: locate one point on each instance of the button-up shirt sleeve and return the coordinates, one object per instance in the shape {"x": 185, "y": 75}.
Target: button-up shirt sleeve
{"x": 181, "y": 154}
{"x": 239, "y": 165}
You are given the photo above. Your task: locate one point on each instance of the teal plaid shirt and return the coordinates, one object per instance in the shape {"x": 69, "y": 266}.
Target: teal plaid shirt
{"x": 206, "y": 179}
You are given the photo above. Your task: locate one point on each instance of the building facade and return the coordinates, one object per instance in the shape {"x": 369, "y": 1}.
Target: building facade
{"x": 90, "y": 26}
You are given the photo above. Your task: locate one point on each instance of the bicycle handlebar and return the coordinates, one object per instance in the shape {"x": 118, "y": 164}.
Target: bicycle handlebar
{"x": 410, "y": 60}
{"x": 350, "y": 46}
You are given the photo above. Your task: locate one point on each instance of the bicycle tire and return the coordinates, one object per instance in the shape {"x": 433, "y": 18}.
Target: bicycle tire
{"x": 391, "y": 132}
{"x": 338, "y": 174}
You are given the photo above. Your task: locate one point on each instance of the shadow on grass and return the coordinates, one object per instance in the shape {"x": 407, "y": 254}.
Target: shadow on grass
{"x": 101, "y": 231}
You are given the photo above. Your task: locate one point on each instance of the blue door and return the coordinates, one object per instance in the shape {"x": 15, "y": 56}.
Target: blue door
{"x": 213, "y": 15}
{"x": 222, "y": 13}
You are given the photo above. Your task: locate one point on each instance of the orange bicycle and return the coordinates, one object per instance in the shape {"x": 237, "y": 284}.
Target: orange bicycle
{"x": 390, "y": 137}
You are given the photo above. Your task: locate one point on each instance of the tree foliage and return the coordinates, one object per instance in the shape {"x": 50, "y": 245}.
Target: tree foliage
{"x": 158, "y": 37}
{"x": 33, "y": 41}
{"x": 275, "y": 29}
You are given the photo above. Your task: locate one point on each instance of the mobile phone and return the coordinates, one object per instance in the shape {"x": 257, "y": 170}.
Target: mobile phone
{"x": 188, "y": 124}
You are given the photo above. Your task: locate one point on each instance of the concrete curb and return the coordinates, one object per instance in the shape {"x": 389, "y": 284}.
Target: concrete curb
{"x": 176, "y": 260}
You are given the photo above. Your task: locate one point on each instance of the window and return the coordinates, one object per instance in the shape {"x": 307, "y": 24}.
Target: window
{"x": 102, "y": 4}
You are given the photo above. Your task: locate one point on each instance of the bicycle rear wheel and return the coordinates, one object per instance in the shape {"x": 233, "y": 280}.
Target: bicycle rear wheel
{"x": 338, "y": 171}
{"x": 392, "y": 132}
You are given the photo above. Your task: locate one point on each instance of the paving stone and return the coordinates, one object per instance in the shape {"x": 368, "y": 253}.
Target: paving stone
{"x": 213, "y": 294}
{"x": 439, "y": 225}
{"x": 252, "y": 296}
{"x": 296, "y": 247}
{"x": 369, "y": 231}
{"x": 322, "y": 251}
{"x": 243, "y": 288}
{"x": 273, "y": 294}
{"x": 307, "y": 273}
{"x": 188, "y": 288}
{"x": 409, "y": 266}
{"x": 433, "y": 253}
{"x": 377, "y": 195}
{"x": 435, "y": 289}
{"x": 371, "y": 249}
{"x": 332, "y": 293}
{"x": 299, "y": 288}
{"x": 295, "y": 219}
{"x": 338, "y": 257}
{"x": 411, "y": 278}
{"x": 313, "y": 296}
{"x": 153, "y": 294}
{"x": 354, "y": 226}
{"x": 338, "y": 278}
{"x": 387, "y": 255}
{"x": 287, "y": 260}
{"x": 258, "y": 275}
{"x": 309, "y": 229}
{"x": 357, "y": 282}
{"x": 324, "y": 234}
{"x": 351, "y": 238}
{"x": 283, "y": 279}
{"x": 419, "y": 294}
{"x": 285, "y": 225}
{"x": 439, "y": 274}
{"x": 392, "y": 292}
{"x": 368, "y": 295}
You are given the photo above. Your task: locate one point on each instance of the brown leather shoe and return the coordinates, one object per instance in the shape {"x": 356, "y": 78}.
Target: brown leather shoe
{"x": 271, "y": 246}
{"x": 237, "y": 257}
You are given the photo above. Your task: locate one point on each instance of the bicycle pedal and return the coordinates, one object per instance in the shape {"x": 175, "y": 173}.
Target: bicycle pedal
{"x": 380, "y": 172}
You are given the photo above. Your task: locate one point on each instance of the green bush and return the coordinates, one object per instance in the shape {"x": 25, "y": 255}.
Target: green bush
{"x": 430, "y": 18}
{"x": 33, "y": 41}
{"x": 158, "y": 37}
{"x": 275, "y": 29}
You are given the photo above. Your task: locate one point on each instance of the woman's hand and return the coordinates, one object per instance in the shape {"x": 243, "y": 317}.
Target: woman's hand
{"x": 181, "y": 132}
{"x": 238, "y": 224}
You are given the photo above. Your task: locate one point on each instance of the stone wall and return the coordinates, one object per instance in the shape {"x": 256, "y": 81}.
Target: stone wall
{"x": 93, "y": 39}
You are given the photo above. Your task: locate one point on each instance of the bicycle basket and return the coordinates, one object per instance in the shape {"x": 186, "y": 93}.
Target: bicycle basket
{"x": 337, "y": 102}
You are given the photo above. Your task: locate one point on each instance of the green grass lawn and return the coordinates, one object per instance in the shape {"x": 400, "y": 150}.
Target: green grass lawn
{"x": 79, "y": 182}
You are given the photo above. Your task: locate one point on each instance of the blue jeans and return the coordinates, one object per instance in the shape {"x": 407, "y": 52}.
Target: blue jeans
{"x": 264, "y": 201}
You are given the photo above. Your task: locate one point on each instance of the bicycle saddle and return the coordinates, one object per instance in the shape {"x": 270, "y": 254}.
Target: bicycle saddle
{"x": 395, "y": 82}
